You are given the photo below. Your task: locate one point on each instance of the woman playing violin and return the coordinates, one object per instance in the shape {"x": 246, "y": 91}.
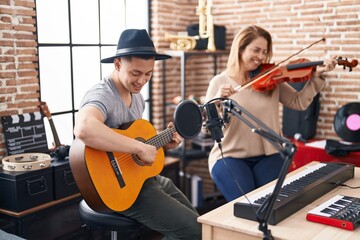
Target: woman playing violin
{"x": 249, "y": 161}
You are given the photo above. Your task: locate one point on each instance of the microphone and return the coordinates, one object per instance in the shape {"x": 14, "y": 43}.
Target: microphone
{"x": 214, "y": 123}
{"x": 299, "y": 137}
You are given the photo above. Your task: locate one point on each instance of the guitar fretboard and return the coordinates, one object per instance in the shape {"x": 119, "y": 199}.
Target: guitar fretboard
{"x": 162, "y": 138}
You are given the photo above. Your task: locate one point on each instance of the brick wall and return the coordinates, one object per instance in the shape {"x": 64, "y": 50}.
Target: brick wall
{"x": 293, "y": 24}
{"x": 19, "y": 82}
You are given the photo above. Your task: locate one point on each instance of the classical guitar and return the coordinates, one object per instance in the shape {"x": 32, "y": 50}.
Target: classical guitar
{"x": 111, "y": 181}
{"x": 45, "y": 110}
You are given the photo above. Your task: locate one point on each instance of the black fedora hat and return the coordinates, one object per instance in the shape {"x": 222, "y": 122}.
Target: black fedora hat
{"x": 135, "y": 42}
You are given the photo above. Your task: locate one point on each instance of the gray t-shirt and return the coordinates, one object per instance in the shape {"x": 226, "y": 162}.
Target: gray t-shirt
{"x": 106, "y": 98}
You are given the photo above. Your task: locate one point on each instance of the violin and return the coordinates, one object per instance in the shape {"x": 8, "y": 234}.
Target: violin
{"x": 296, "y": 71}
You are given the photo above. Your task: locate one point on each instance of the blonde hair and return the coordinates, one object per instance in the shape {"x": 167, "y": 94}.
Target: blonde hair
{"x": 240, "y": 42}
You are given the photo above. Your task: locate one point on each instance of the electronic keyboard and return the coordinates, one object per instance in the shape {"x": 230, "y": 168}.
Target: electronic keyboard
{"x": 340, "y": 211}
{"x": 297, "y": 191}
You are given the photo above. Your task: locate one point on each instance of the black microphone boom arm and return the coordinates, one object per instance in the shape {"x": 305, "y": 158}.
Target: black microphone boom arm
{"x": 286, "y": 148}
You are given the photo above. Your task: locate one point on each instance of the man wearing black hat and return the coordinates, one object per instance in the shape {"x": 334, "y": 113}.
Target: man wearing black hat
{"x": 117, "y": 100}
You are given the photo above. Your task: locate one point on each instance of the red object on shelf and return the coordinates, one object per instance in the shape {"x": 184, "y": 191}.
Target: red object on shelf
{"x": 306, "y": 154}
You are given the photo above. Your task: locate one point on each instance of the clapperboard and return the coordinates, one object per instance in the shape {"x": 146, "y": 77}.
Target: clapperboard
{"x": 25, "y": 133}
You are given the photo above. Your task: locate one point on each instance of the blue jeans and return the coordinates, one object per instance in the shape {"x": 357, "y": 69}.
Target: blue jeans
{"x": 235, "y": 177}
{"x": 164, "y": 208}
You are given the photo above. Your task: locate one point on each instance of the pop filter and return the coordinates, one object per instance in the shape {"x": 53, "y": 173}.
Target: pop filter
{"x": 188, "y": 119}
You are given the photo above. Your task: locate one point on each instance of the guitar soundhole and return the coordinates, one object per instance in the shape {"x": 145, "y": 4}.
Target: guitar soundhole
{"x": 137, "y": 160}
{"x": 135, "y": 157}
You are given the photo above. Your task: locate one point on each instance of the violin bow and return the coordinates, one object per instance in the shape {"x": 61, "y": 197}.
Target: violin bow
{"x": 277, "y": 66}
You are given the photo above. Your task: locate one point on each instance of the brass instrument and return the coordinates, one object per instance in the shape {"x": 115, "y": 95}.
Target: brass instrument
{"x": 181, "y": 41}
{"x": 206, "y": 25}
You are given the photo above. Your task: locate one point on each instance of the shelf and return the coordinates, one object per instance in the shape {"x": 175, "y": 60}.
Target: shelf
{"x": 179, "y": 53}
{"x": 189, "y": 154}
{"x": 200, "y": 147}
{"x": 203, "y": 140}
{"x": 184, "y": 55}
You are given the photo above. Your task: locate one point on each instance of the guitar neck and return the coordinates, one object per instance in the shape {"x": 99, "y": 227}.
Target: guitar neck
{"x": 162, "y": 138}
{"x": 55, "y": 135}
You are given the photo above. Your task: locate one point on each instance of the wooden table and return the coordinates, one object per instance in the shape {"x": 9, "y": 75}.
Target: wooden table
{"x": 221, "y": 224}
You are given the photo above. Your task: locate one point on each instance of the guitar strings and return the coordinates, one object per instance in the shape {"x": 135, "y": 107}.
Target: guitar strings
{"x": 158, "y": 141}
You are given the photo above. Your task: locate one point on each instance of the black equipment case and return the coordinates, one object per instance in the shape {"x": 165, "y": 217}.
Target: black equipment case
{"x": 24, "y": 190}
{"x": 219, "y": 37}
{"x": 56, "y": 221}
{"x": 64, "y": 182}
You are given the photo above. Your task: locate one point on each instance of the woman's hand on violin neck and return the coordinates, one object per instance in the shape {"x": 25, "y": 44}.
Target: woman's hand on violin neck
{"x": 329, "y": 65}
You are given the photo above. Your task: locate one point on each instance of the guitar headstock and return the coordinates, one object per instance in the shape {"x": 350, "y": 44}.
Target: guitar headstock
{"x": 45, "y": 109}
{"x": 346, "y": 63}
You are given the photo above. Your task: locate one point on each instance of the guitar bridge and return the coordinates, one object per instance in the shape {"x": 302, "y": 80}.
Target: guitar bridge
{"x": 116, "y": 169}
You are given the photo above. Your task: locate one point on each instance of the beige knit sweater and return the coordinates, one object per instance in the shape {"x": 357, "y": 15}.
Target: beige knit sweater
{"x": 239, "y": 141}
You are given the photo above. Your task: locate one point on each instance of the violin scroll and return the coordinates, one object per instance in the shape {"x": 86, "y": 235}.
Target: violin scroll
{"x": 348, "y": 64}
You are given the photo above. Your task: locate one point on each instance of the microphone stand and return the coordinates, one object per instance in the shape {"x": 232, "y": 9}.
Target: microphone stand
{"x": 286, "y": 148}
